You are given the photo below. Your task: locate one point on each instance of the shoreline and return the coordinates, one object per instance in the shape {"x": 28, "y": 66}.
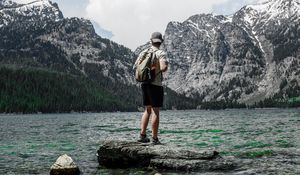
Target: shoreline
{"x": 167, "y": 110}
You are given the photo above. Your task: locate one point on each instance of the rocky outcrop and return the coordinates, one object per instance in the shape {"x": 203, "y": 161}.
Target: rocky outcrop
{"x": 64, "y": 165}
{"x": 124, "y": 154}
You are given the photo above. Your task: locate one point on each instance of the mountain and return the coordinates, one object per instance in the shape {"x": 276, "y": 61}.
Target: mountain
{"x": 35, "y": 38}
{"x": 37, "y": 35}
{"x": 248, "y": 57}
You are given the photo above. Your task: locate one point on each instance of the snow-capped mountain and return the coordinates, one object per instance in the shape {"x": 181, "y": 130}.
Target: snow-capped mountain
{"x": 249, "y": 56}
{"x": 269, "y": 12}
{"x": 35, "y": 33}
{"x": 11, "y": 11}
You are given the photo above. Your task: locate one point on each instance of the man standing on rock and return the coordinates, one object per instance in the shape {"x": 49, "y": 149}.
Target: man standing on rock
{"x": 153, "y": 92}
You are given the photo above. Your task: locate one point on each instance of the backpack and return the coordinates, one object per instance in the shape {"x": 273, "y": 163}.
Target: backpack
{"x": 143, "y": 72}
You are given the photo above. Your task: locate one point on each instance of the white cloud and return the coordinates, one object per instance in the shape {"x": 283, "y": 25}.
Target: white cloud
{"x": 72, "y": 8}
{"x": 133, "y": 21}
{"x": 231, "y": 6}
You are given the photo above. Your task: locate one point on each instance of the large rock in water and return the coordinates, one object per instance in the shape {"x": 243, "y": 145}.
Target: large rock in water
{"x": 124, "y": 154}
{"x": 64, "y": 165}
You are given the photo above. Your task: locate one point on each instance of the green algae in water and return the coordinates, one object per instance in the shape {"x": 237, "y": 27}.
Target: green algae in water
{"x": 202, "y": 145}
{"x": 249, "y": 154}
{"x": 215, "y": 137}
{"x": 226, "y": 153}
{"x": 6, "y": 147}
{"x": 13, "y": 153}
{"x": 216, "y": 141}
{"x": 196, "y": 137}
{"x": 214, "y": 130}
{"x": 51, "y": 145}
{"x": 255, "y": 154}
{"x": 284, "y": 144}
{"x": 253, "y": 145}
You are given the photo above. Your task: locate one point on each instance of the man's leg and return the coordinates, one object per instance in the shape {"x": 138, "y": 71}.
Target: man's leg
{"x": 155, "y": 122}
{"x": 145, "y": 120}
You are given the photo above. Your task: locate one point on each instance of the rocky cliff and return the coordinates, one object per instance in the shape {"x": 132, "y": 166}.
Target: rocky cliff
{"x": 246, "y": 57}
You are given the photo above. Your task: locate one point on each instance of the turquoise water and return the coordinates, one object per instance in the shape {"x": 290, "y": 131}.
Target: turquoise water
{"x": 265, "y": 141}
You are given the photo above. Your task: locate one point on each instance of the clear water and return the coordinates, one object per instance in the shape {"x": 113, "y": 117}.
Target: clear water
{"x": 265, "y": 141}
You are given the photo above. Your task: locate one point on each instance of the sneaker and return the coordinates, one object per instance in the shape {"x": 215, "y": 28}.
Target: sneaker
{"x": 143, "y": 139}
{"x": 155, "y": 141}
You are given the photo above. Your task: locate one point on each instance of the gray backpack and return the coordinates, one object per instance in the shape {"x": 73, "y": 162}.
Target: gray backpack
{"x": 143, "y": 71}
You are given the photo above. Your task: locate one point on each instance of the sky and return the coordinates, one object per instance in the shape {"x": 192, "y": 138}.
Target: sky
{"x": 131, "y": 22}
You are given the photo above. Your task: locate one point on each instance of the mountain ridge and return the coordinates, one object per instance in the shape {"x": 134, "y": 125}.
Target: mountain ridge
{"x": 217, "y": 57}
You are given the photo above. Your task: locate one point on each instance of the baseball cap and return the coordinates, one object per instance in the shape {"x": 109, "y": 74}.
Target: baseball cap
{"x": 156, "y": 37}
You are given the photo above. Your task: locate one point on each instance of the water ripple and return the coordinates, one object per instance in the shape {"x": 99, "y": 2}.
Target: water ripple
{"x": 265, "y": 141}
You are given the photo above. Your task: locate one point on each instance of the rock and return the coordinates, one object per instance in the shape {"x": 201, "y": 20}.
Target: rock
{"x": 124, "y": 154}
{"x": 64, "y": 165}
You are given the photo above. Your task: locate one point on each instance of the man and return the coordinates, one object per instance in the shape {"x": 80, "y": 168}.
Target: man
{"x": 153, "y": 92}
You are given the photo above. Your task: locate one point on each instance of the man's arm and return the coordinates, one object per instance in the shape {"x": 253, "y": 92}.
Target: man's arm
{"x": 163, "y": 65}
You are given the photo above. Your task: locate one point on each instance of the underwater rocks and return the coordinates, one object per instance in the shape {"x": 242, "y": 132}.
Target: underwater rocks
{"x": 64, "y": 165}
{"x": 124, "y": 154}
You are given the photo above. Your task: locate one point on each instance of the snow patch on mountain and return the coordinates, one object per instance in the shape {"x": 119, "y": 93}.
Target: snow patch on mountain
{"x": 268, "y": 10}
{"x": 44, "y": 9}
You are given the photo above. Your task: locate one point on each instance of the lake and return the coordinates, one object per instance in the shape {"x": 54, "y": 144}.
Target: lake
{"x": 263, "y": 141}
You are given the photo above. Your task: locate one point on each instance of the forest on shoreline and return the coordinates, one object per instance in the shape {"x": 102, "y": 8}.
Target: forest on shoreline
{"x": 31, "y": 90}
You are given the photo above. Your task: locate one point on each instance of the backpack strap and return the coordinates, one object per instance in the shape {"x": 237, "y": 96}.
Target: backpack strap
{"x": 159, "y": 72}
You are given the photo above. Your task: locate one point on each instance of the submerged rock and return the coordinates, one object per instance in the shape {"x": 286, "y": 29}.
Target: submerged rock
{"x": 124, "y": 154}
{"x": 64, "y": 165}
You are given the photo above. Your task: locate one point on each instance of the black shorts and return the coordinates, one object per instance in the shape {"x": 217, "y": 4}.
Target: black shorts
{"x": 153, "y": 95}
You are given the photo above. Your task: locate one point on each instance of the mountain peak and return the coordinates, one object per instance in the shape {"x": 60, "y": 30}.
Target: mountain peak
{"x": 269, "y": 12}
{"x": 277, "y": 8}
{"x": 12, "y": 10}
{"x": 8, "y": 3}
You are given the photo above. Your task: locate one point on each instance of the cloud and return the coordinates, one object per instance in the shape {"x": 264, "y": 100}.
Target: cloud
{"x": 231, "y": 6}
{"x": 133, "y": 21}
{"x": 72, "y": 8}
{"x": 102, "y": 32}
